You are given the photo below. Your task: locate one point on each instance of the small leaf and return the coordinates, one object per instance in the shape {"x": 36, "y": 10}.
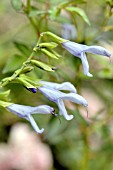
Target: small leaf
{"x": 17, "y": 4}
{"x": 14, "y": 62}
{"x": 34, "y": 13}
{"x": 42, "y": 65}
{"x": 80, "y": 12}
{"x": 23, "y": 48}
{"x": 54, "y": 13}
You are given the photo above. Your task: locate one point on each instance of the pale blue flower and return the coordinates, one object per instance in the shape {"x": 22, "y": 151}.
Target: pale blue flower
{"x": 68, "y": 31}
{"x": 79, "y": 50}
{"x": 50, "y": 91}
{"x": 27, "y": 111}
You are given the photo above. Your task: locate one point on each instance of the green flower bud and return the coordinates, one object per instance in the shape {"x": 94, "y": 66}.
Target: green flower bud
{"x": 48, "y": 53}
{"x": 42, "y": 65}
{"x": 56, "y": 38}
{"x": 49, "y": 45}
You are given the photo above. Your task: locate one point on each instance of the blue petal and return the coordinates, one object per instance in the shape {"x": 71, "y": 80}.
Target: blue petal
{"x": 85, "y": 65}
{"x": 23, "y": 111}
{"x": 43, "y": 109}
{"x": 55, "y": 95}
{"x": 34, "y": 125}
{"x": 63, "y": 111}
{"x": 50, "y": 93}
{"x": 63, "y": 86}
{"x": 20, "y": 110}
{"x": 74, "y": 48}
{"x": 75, "y": 98}
{"x": 97, "y": 50}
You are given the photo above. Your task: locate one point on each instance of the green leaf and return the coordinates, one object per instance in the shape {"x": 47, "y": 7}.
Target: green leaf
{"x": 54, "y": 13}
{"x": 35, "y": 13}
{"x": 56, "y": 10}
{"x": 17, "y": 4}
{"x": 14, "y": 62}
{"x": 110, "y": 2}
{"x": 23, "y": 48}
{"x": 42, "y": 65}
{"x": 79, "y": 12}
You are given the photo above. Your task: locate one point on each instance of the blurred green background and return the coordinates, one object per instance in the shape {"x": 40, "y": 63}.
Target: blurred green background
{"x": 82, "y": 143}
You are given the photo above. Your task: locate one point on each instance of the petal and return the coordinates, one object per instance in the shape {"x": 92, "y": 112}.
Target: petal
{"x": 55, "y": 95}
{"x": 50, "y": 93}
{"x": 23, "y": 111}
{"x": 63, "y": 86}
{"x": 97, "y": 50}
{"x": 75, "y": 98}
{"x": 63, "y": 110}
{"x": 74, "y": 48}
{"x": 43, "y": 109}
{"x": 19, "y": 110}
{"x": 34, "y": 125}
{"x": 85, "y": 65}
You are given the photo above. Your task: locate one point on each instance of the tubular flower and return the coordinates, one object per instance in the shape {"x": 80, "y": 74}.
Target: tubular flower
{"x": 79, "y": 50}
{"x": 51, "y": 91}
{"x": 27, "y": 111}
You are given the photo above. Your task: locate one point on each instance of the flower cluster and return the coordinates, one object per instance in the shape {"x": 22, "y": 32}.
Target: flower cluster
{"x": 51, "y": 90}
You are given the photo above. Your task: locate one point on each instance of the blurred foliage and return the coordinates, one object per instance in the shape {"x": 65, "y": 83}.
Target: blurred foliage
{"x": 83, "y": 143}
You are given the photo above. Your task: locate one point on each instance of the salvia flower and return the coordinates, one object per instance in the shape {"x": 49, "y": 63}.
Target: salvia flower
{"x": 27, "y": 111}
{"x": 79, "y": 50}
{"x": 52, "y": 92}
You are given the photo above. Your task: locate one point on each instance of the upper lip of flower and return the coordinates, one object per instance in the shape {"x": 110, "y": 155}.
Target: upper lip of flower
{"x": 26, "y": 111}
{"x": 79, "y": 50}
{"x": 63, "y": 86}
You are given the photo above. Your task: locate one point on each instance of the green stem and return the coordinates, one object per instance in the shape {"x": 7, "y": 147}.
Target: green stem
{"x": 28, "y": 5}
{"x": 17, "y": 72}
{"x": 33, "y": 24}
{"x": 26, "y": 10}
